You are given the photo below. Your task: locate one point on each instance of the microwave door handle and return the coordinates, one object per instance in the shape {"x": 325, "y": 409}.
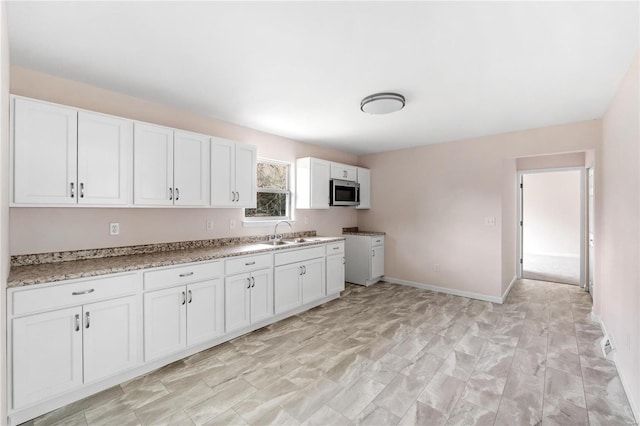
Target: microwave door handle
{"x": 357, "y": 195}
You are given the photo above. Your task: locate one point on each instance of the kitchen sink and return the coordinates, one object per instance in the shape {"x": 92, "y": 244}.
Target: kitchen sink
{"x": 277, "y": 243}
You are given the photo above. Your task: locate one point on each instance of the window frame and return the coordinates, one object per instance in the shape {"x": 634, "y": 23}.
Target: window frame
{"x": 269, "y": 220}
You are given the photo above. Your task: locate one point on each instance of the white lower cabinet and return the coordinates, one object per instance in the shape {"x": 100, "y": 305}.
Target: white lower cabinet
{"x": 364, "y": 256}
{"x": 177, "y": 317}
{"x": 335, "y": 273}
{"x": 57, "y": 351}
{"x": 248, "y": 298}
{"x": 299, "y": 282}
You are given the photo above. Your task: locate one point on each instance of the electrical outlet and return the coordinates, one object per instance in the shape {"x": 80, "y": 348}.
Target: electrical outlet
{"x": 114, "y": 229}
{"x": 232, "y": 224}
{"x": 490, "y": 221}
{"x": 436, "y": 267}
{"x": 209, "y": 225}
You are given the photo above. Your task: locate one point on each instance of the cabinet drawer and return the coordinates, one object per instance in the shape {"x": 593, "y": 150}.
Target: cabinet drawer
{"x": 181, "y": 275}
{"x": 335, "y": 248}
{"x": 73, "y": 294}
{"x": 377, "y": 241}
{"x": 299, "y": 255}
{"x": 247, "y": 264}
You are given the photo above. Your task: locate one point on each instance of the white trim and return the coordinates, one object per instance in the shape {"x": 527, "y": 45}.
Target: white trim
{"x": 508, "y": 290}
{"x": 625, "y": 383}
{"x": 451, "y": 291}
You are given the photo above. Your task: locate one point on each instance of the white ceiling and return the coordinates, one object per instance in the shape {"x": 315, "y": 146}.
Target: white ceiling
{"x": 300, "y": 69}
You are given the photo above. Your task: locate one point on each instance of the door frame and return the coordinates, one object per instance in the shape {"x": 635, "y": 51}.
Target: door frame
{"x": 583, "y": 221}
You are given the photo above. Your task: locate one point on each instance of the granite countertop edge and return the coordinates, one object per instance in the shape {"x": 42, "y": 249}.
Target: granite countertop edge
{"x": 365, "y": 233}
{"x": 22, "y": 276}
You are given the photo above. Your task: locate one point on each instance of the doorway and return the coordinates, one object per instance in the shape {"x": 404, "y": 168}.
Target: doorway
{"x": 552, "y": 225}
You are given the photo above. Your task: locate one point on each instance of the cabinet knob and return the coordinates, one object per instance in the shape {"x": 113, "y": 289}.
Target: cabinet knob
{"x": 77, "y": 322}
{"x": 249, "y": 282}
{"x": 73, "y": 191}
{"x": 170, "y": 193}
{"x": 177, "y": 194}
{"x": 87, "y": 321}
{"x": 253, "y": 282}
{"x": 81, "y": 190}
{"x": 190, "y": 296}
{"x": 184, "y": 298}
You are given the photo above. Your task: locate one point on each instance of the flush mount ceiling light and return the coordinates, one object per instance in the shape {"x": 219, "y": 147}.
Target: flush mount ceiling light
{"x": 382, "y": 103}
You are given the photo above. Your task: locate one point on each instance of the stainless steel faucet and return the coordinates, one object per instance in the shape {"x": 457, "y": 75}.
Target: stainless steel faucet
{"x": 275, "y": 235}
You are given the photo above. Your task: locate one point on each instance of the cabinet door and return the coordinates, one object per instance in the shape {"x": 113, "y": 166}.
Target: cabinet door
{"x": 335, "y": 274}
{"x": 246, "y": 164}
{"x": 319, "y": 184}
{"x": 191, "y": 177}
{"x": 287, "y": 287}
{"x": 261, "y": 295}
{"x": 313, "y": 282}
{"x": 343, "y": 172}
{"x": 364, "y": 179}
{"x": 377, "y": 262}
{"x": 237, "y": 301}
{"x": 223, "y": 173}
{"x": 153, "y": 165}
{"x": 44, "y": 153}
{"x": 205, "y": 311}
{"x": 165, "y": 325}
{"x": 110, "y": 334}
{"x": 47, "y": 355}
{"x": 105, "y": 153}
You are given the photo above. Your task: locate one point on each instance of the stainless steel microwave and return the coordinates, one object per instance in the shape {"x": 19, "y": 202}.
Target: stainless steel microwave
{"x": 344, "y": 193}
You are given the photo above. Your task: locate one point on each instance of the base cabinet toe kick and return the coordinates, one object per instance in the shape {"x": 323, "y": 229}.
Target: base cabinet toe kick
{"x": 70, "y": 339}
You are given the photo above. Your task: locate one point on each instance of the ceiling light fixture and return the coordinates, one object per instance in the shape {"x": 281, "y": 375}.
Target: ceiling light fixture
{"x": 382, "y": 103}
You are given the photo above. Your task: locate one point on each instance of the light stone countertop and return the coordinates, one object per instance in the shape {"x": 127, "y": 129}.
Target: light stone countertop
{"x": 365, "y": 233}
{"x": 20, "y": 276}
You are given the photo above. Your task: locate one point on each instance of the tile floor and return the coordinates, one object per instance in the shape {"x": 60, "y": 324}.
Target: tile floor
{"x": 388, "y": 355}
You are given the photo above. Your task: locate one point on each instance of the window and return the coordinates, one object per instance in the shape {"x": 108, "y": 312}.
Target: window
{"x": 274, "y": 196}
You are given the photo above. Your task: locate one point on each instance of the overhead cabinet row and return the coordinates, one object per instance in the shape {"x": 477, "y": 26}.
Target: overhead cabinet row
{"x": 64, "y": 156}
{"x": 313, "y": 180}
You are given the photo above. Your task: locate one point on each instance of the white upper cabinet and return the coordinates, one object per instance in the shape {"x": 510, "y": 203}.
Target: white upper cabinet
{"x": 191, "y": 169}
{"x": 246, "y": 163}
{"x": 153, "y": 165}
{"x": 364, "y": 179}
{"x": 105, "y": 155}
{"x": 343, "y": 172}
{"x": 44, "y": 153}
{"x": 233, "y": 174}
{"x": 171, "y": 168}
{"x": 312, "y": 183}
{"x": 66, "y": 157}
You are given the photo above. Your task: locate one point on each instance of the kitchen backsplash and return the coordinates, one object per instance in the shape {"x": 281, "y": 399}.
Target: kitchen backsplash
{"x": 64, "y": 256}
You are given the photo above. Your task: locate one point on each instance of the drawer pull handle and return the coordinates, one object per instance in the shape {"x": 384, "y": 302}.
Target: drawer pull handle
{"x": 336, "y": 248}
{"x": 87, "y": 320}
{"x": 249, "y": 263}
{"x": 186, "y": 274}
{"x": 77, "y": 322}
{"x": 79, "y": 293}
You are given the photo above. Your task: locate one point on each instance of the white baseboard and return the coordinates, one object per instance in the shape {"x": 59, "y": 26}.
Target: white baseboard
{"x": 625, "y": 383}
{"x": 452, "y": 291}
{"x": 508, "y": 290}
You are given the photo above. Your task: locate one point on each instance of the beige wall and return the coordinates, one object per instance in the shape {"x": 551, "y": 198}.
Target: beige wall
{"x": 618, "y": 287}
{"x": 36, "y": 230}
{"x": 556, "y": 161}
{"x": 552, "y": 213}
{"x": 432, "y": 202}
{"x": 4, "y": 199}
